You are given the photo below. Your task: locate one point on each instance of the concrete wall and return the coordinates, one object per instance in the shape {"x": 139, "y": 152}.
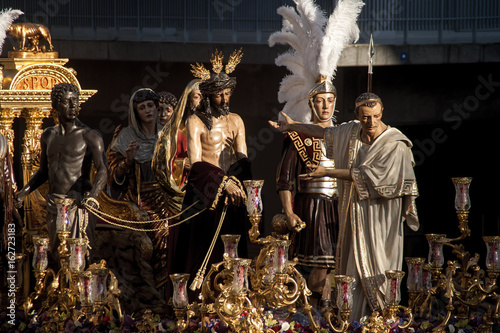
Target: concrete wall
{"x": 354, "y": 55}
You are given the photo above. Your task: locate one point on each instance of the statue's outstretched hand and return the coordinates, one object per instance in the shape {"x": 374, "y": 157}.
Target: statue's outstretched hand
{"x": 282, "y": 125}
{"x": 317, "y": 172}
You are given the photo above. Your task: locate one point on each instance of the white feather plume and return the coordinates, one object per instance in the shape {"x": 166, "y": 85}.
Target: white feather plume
{"x": 317, "y": 43}
{"x": 7, "y": 16}
{"x": 292, "y": 61}
{"x": 340, "y": 31}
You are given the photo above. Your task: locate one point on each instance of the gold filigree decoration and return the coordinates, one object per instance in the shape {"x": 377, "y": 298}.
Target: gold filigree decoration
{"x": 234, "y": 60}
{"x": 216, "y": 61}
{"x": 200, "y": 71}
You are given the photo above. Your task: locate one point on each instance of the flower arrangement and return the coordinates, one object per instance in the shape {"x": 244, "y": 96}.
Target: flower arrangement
{"x": 297, "y": 323}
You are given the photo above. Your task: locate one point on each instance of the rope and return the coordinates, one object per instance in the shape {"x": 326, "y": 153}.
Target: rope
{"x": 196, "y": 284}
{"x": 100, "y": 214}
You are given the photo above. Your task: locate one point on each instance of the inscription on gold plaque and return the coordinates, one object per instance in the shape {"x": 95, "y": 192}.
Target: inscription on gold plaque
{"x": 42, "y": 77}
{"x": 37, "y": 83}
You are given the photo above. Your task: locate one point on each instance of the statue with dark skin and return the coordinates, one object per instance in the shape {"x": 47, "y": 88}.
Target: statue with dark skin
{"x": 67, "y": 152}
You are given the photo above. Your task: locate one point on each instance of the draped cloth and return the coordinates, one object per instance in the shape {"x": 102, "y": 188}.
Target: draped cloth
{"x": 170, "y": 142}
{"x": 372, "y": 208}
{"x": 140, "y": 186}
{"x": 206, "y": 183}
{"x": 80, "y": 223}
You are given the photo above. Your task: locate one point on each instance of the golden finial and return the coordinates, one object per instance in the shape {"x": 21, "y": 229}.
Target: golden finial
{"x": 216, "y": 61}
{"x": 233, "y": 61}
{"x": 200, "y": 71}
{"x": 321, "y": 79}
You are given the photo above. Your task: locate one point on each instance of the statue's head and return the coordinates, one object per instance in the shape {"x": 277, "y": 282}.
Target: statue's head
{"x": 143, "y": 107}
{"x": 217, "y": 86}
{"x": 367, "y": 99}
{"x": 217, "y": 91}
{"x": 142, "y": 95}
{"x": 194, "y": 97}
{"x": 59, "y": 90}
{"x": 166, "y": 106}
{"x": 322, "y": 99}
{"x": 65, "y": 100}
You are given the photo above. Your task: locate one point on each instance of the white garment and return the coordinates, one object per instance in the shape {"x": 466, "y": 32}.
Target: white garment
{"x": 372, "y": 208}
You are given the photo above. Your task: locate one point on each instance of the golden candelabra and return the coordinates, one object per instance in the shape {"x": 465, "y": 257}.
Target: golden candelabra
{"x": 72, "y": 291}
{"x": 463, "y": 283}
{"x": 239, "y": 291}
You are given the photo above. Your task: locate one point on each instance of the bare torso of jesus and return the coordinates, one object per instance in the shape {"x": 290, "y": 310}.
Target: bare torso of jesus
{"x": 221, "y": 146}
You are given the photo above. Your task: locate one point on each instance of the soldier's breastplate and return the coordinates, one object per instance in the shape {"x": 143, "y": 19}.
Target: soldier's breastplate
{"x": 324, "y": 185}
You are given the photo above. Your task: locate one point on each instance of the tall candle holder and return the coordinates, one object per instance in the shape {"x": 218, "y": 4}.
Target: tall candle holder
{"x": 231, "y": 245}
{"x": 344, "y": 285}
{"x": 240, "y": 275}
{"x": 436, "y": 256}
{"x": 254, "y": 207}
{"x": 464, "y": 284}
{"x": 180, "y": 301}
{"x": 492, "y": 255}
{"x": 393, "y": 297}
{"x": 77, "y": 252}
{"x": 86, "y": 290}
{"x": 40, "y": 266}
{"x": 462, "y": 205}
{"x": 415, "y": 282}
{"x": 238, "y": 290}
{"x": 71, "y": 291}
{"x": 280, "y": 256}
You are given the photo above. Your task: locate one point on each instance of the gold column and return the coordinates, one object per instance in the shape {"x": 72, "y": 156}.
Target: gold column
{"x": 7, "y": 116}
{"x": 31, "y": 144}
{"x": 30, "y": 151}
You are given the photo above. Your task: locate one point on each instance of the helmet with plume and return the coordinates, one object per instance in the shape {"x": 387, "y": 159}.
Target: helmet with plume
{"x": 317, "y": 43}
